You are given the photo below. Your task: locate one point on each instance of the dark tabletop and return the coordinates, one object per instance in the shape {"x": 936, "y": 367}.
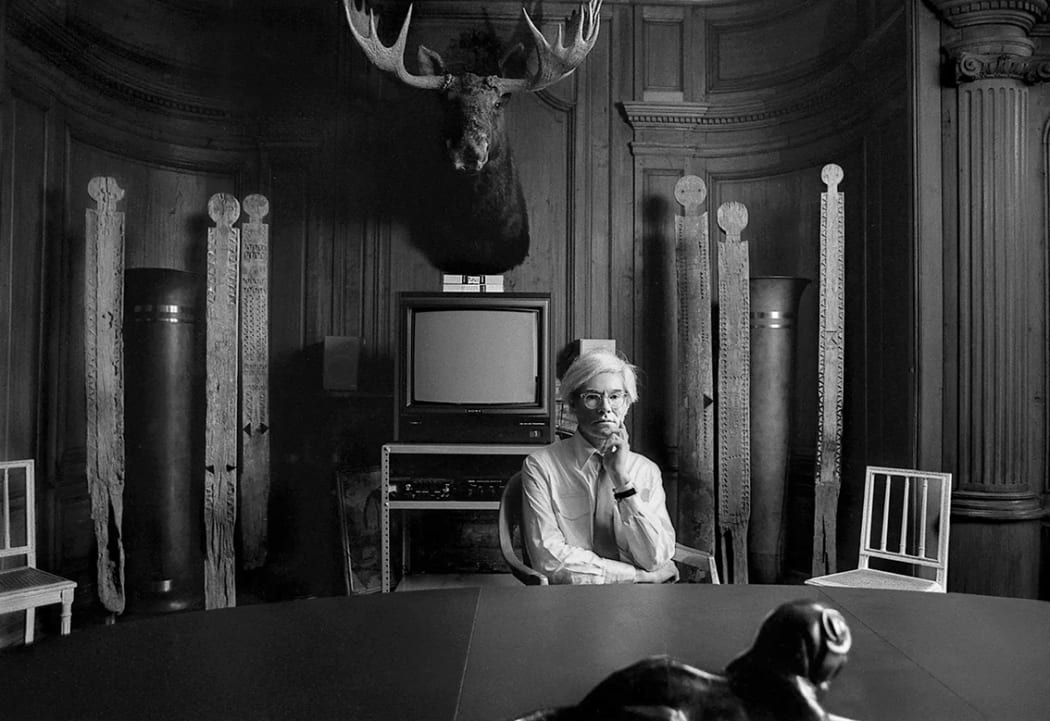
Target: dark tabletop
{"x": 494, "y": 653}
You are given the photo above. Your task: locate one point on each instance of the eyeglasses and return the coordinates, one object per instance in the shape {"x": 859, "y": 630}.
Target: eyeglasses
{"x": 592, "y": 400}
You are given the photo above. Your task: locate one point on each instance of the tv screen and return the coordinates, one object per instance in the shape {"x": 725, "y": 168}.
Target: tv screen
{"x": 474, "y": 368}
{"x": 476, "y": 356}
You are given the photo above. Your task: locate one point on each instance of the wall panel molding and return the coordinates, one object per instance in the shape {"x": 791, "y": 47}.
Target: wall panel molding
{"x": 831, "y": 107}
{"x": 208, "y": 79}
{"x": 789, "y": 54}
{"x": 662, "y": 53}
{"x": 107, "y": 68}
{"x": 152, "y": 134}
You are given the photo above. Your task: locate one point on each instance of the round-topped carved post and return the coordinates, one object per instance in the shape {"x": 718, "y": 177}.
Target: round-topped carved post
{"x": 254, "y": 482}
{"x": 695, "y": 409}
{"x": 995, "y": 434}
{"x": 220, "y": 424}
{"x": 734, "y": 391}
{"x": 104, "y": 383}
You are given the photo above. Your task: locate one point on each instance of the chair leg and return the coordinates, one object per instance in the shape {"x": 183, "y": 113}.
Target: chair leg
{"x": 30, "y": 625}
{"x": 67, "y": 612}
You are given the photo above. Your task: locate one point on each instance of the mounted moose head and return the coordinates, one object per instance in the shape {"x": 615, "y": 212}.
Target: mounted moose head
{"x": 483, "y": 225}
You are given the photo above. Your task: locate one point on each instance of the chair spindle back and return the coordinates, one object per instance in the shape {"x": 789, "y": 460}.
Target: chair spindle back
{"x": 17, "y": 516}
{"x": 906, "y": 506}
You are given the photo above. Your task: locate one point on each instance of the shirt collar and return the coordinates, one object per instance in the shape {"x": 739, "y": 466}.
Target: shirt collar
{"x": 582, "y": 450}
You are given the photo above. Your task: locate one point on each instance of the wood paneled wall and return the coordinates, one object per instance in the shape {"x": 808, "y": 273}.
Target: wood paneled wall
{"x": 753, "y": 97}
{"x": 830, "y": 85}
{"x": 173, "y": 133}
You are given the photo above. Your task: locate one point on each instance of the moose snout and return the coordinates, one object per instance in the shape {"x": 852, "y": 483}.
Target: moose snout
{"x": 470, "y": 157}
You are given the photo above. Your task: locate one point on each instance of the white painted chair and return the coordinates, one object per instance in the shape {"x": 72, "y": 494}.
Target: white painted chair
{"x": 24, "y": 586}
{"x": 906, "y": 520}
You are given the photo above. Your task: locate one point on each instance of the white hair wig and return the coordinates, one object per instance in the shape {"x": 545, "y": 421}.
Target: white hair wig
{"x": 592, "y": 364}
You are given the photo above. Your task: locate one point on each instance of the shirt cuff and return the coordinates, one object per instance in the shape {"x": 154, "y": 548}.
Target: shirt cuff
{"x": 618, "y": 571}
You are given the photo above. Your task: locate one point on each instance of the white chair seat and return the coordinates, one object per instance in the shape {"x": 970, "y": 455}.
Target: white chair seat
{"x": 24, "y": 587}
{"x": 28, "y": 581}
{"x": 906, "y": 520}
{"x": 872, "y": 578}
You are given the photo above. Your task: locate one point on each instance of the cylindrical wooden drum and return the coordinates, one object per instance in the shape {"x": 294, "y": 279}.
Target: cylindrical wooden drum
{"x": 163, "y": 491}
{"x": 774, "y": 311}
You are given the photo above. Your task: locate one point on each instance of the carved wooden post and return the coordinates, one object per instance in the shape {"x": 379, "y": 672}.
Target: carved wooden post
{"x": 831, "y": 372}
{"x": 995, "y": 416}
{"x": 220, "y": 431}
{"x": 696, "y": 468}
{"x": 734, "y": 390}
{"x": 104, "y": 379}
{"x": 255, "y": 382}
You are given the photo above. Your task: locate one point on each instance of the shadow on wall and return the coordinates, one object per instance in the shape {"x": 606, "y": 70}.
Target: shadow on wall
{"x": 656, "y": 346}
{"x": 319, "y": 434}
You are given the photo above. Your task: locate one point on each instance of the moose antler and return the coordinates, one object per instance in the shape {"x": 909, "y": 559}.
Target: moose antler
{"x": 553, "y": 63}
{"x": 391, "y": 59}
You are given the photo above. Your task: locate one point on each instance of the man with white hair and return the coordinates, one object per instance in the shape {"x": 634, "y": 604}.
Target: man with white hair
{"x": 594, "y": 511}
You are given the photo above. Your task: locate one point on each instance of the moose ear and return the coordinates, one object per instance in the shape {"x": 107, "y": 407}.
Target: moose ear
{"x": 430, "y": 63}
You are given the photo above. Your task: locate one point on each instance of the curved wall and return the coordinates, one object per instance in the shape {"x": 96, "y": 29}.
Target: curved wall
{"x": 179, "y": 99}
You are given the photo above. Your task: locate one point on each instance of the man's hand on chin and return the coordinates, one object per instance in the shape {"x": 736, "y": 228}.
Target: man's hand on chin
{"x": 615, "y": 449}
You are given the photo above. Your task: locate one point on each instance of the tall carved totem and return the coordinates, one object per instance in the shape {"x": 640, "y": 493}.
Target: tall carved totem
{"x": 995, "y": 369}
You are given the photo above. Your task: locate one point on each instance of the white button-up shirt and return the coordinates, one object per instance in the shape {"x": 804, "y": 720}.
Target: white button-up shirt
{"x": 558, "y": 488}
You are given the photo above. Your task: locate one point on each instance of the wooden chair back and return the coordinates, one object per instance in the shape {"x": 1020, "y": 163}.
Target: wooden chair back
{"x": 906, "y": 518}
{"x": 694, "y": 563}
{"x": 510, "y": 515}
{"x": 17, "y": 512}
{"x": 23, "y": 586}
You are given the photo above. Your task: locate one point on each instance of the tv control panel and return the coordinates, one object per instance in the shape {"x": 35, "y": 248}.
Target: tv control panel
{"x": 403, "y": 488}
{"x": 474, "y": 428}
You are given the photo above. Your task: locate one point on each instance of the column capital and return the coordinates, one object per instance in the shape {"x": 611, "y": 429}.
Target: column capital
{"x": 991, "y": 39}
{"x": 990, "y": 29}
{"x": 969, "y": 13}
{"x": 968, "y": 67}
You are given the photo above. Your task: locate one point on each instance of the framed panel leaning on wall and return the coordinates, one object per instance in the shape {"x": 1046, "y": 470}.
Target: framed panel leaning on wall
{"x": 358, "y": 499}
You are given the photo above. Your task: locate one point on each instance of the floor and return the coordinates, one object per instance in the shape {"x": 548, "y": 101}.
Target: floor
{"x": 428, "y": 581}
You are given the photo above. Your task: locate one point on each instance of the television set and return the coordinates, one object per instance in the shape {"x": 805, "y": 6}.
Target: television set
{"x": 474, "y": 368}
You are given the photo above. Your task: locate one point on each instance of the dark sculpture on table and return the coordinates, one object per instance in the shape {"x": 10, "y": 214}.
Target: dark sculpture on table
{"x": 799, "y": 649}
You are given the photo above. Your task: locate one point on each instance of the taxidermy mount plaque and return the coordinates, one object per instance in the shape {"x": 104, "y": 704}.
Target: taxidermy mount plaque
{"x": 480, "y": 222}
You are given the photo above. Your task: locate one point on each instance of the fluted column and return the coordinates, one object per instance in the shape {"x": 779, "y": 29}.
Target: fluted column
{"x": 992, "y": 401}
